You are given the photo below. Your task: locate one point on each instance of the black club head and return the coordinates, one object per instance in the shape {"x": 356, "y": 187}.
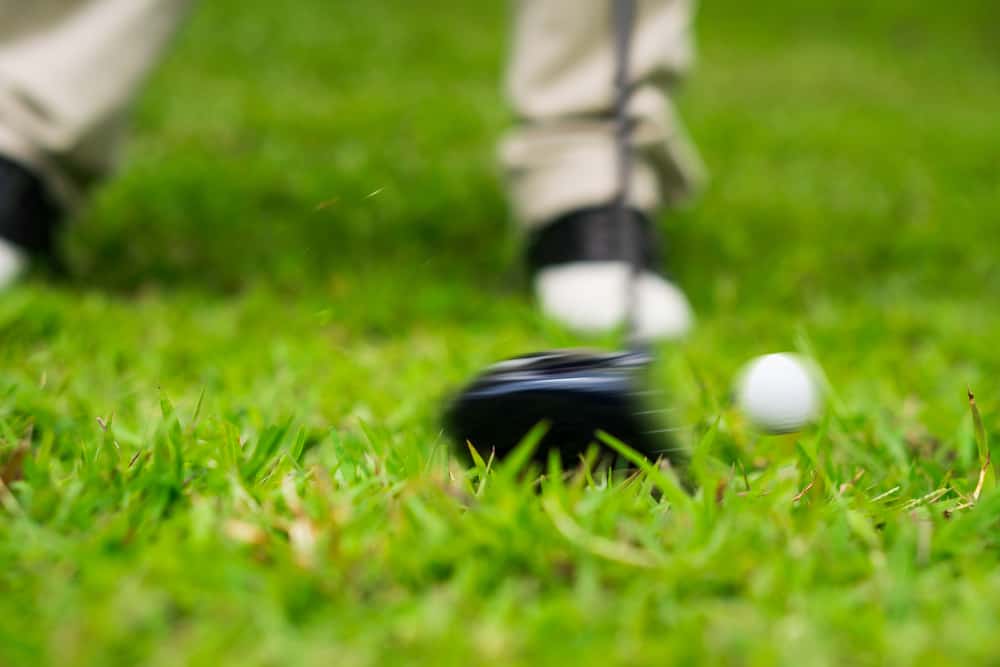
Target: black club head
{"x": 578, "y": 392}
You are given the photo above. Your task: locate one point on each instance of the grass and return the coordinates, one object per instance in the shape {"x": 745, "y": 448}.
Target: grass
{"x": 220, "y": 444}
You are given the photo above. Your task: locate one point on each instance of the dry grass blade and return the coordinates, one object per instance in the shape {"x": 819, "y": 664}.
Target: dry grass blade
{"x": 886, "y": 494}
{"x": 302, "y": 535}
{"x": 928, "y": 499}
{"x": 244, "y": 532}
{"x": 983, "y": 447}
{"x": 13, "y": 467}
{"x": 798, "y": 496}
{"x": 983, "y": 472}
{"x": 720, "y": 490}
{"x": 854, "y": 480}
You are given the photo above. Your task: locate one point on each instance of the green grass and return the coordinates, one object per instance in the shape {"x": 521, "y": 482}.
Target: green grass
{"x": 270, "y": 485}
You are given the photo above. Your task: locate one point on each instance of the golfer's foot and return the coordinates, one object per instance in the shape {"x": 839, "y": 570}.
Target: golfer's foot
{"x": 581, "y": 269}
{"x": 13, "y": 262}
{"x": 28, "y": 220}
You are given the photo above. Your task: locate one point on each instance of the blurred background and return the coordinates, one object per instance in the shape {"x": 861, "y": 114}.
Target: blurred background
{"x": 844, "y": 139}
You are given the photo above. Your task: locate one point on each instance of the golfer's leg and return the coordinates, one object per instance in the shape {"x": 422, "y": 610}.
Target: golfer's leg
{"x": 68, "y": 71}
{"x": 560, "y": 157}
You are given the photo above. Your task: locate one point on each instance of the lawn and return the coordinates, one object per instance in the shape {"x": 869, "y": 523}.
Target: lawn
{"x": 220, "y": 441}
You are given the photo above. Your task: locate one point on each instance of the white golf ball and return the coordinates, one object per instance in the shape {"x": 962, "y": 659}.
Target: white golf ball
{"x": 778, "y": 393}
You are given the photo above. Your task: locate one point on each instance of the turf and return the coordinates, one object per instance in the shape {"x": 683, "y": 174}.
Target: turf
{"x": 219, "y": 440}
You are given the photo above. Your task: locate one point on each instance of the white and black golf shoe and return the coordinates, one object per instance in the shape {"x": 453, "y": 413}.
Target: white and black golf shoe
{"x": 580, "y": 268}
{"x": 28, "y": 221}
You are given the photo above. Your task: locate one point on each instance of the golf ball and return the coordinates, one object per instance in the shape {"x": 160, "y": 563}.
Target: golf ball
{"x": 778, "y": 393}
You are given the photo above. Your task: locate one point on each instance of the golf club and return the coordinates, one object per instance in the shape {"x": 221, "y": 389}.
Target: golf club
{"x": 577, "y": 392}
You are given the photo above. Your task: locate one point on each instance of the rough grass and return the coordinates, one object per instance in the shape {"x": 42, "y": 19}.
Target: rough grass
{"x": 219, "y": 441}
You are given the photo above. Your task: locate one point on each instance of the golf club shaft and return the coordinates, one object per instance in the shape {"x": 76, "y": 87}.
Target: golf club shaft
{"x": 624, "y": 20}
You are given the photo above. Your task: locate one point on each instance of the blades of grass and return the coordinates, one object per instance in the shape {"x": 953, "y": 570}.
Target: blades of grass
{"x": 110, "y": 450}
{"x": 978, "y": 430}
{"x": 891, "y": 441}
{"x": 668, "y": 483}
{"x": 432, "y": 453}
{"x": 477, "y": 460}
{"x": 603, "y": 547}
{"x": 266, "y": 449}
{"x": 811, "y": 465}
{"x": 480, "y": 466}
{"x": 197, "y": 410}
{"x": 700, "y": 467}
{"x": 522, "y": 453}
{"x": 424, "y": 517}
{"x": 743, "y": 474}
{"x": 862, "y": 527}
{"x": 710, "y": 403}
{"x": 298, "y": 447}
{"x": 168, "y": 455}
{"x": 232, "y": 451}
{"x": 700, "y": 455}
{"x": 554, "y": 477}
{"x": 586, "y": 466}
{"x": 370, "y": 440}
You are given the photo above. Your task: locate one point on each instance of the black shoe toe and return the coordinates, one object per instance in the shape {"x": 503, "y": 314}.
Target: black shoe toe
{"x": 29, "y": 216}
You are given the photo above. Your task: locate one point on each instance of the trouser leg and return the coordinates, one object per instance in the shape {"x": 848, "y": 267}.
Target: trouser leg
{"x": 561, "y": 154}
{"x": 68, "y": 72}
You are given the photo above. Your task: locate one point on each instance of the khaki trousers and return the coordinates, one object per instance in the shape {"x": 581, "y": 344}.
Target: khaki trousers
{"x": 69, "y": 70}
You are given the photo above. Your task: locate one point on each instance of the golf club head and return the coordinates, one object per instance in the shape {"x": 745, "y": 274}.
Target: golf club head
{"x": 578, "y": 392}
